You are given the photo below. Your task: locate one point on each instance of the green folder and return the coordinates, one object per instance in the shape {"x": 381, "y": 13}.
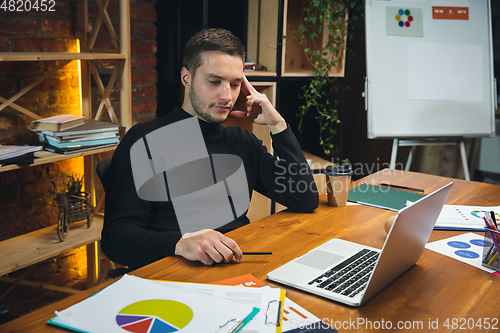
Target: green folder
{"x": 382, "y": 197}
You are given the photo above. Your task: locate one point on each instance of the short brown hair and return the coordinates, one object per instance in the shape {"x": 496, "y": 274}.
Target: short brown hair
{"x": 213, "y": 39}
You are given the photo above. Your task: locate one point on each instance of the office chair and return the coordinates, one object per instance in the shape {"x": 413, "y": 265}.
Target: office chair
{"x": 5, "y": 315}
{"x": 102, "y": 170}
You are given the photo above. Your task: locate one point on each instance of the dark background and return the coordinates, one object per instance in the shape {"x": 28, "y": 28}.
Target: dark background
{"x": 178, "y": 20}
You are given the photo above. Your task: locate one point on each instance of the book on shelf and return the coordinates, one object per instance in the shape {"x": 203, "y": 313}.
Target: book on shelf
{"x": 90, "y": 126}
{"x": 67, "y": 151}
{"x": 80, "y": 143}
{"x": 102, "y": 135}
{"x": 57, "y": 123}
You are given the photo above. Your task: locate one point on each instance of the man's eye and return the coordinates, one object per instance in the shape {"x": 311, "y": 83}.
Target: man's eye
{"x": 215, "y": 82}
{"x": 235, "y": 85}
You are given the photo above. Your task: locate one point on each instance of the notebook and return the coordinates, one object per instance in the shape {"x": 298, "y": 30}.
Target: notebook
{"x": 57, "y": 123}
{"x": 382, "y": 197}
{"x": 318, "y": 270}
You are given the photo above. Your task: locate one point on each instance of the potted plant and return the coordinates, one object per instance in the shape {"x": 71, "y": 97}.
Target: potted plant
{"x": 74, "y": 204}
{"x": 326, "y": 25}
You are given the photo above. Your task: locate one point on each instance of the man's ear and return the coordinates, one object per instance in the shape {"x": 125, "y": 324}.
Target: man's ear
{"x": 185, "y": 77}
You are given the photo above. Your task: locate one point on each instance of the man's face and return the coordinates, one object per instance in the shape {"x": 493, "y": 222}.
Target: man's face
{"x": 215, "y": 86}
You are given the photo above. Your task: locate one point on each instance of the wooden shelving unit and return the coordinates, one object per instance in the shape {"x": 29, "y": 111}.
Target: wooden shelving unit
{"x": 36, "y": 56}
{"x": 29, "y": 243}
{"x": 283, "y": 60}
{"x": 294, "y": 62}
{"x": 44, "y": 157}
{"x": 265, "y": 43}
{"x": 261, "y": 38}
{"x": 34, "y": 247}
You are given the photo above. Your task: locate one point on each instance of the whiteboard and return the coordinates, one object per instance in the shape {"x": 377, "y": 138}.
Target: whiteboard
{"x": 433, "y": 76}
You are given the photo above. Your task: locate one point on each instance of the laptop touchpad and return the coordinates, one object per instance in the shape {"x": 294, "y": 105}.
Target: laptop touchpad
{"x": 318, "y": 259}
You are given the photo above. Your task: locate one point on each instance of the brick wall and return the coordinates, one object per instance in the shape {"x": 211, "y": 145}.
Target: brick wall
{"x": 143, "y": 51}
{"x": 25, "y": 203}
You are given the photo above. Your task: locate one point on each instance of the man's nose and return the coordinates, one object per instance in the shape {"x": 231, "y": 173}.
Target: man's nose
{"x": 226, "y": 93}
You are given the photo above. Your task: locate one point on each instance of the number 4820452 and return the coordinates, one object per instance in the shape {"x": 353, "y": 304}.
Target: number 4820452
{"x": 469, "y": 324}
{"x": 28, "y": 5}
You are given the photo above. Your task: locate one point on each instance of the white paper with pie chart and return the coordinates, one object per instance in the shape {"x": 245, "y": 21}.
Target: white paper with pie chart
{"x": 137, "y": 305}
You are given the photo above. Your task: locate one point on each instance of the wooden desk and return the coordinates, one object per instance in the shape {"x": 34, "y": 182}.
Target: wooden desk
{"x": 437, "y": 288}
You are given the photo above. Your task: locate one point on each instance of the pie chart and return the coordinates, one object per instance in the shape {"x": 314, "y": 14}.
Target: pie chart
{"x": 154, "y": 316}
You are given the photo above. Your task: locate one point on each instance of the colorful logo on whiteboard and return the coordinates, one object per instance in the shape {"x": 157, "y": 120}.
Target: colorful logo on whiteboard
{"x": 404, "y": 21}
{"x": 404, "y": 18}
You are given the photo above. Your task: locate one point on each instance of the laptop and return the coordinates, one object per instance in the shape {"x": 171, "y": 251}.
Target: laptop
{"x": 351, "y": 273}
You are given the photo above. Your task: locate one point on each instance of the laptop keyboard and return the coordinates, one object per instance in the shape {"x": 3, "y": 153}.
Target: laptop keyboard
{"x": 349, "y": 277}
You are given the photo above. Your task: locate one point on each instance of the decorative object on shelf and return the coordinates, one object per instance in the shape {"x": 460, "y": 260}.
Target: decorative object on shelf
{"x": 74, "y": 204}
{"x": 323, "y": 33}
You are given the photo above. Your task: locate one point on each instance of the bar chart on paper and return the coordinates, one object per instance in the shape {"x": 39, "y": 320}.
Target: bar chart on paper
{"x": 154, "y": 316}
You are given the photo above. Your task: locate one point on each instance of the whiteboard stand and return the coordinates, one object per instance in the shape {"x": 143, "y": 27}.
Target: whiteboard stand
{"x": 428, "y": 142}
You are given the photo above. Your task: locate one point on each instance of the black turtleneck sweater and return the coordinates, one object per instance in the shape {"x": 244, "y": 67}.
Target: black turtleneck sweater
{"x": 137, "y": 232}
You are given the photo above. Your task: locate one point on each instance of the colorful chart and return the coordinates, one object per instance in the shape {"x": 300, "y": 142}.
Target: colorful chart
{"x": 404, "y": 18}
{"x": 477, "y": 213}
{"x": 154, "y": 316}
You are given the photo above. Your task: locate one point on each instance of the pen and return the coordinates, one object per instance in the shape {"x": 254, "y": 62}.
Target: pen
{"x": 492, "y": 213}
{"x": 255, "y": 253}
{"x": 245, "y": 321}
{"x": 492, "y": 223}
{"x": 493, "y": 259}
{"x": 402, "y": 187}
{"x": 492, "y": 234}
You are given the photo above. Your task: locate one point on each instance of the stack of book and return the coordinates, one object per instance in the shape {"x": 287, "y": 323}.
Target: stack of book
{"x": 81, "y": 135}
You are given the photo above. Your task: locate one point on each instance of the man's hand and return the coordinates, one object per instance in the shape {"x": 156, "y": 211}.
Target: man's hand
{"x": 259, "y": 109}
{"x": 208, "y": 246}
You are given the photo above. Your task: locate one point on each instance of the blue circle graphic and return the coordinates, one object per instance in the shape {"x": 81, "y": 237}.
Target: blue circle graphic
{"x": 467, "y": 254}
{"x": 401, "y": 12}
{"x": 459, "y": 245}
{"x": 477, "y": 242}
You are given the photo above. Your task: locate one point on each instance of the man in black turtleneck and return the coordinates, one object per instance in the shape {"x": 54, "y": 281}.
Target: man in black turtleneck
{"x": 137, "y": 231}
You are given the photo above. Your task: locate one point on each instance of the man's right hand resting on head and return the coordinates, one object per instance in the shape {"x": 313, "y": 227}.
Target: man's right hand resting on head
{"x": 139, "y": 230}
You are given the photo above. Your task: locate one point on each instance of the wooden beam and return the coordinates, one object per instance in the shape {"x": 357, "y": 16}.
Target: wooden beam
{"x": 126, "y": 77}
{"x": 21, "y": 109}
{"x": 106, "y": 92}
{"x": 39, "y": 285}
{"x": 107, "y": 21}
{"x": 15, "y": 282}
{"x": 33, "y": 84}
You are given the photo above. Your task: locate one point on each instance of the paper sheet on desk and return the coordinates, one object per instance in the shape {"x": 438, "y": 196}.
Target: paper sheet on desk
{"x": 467, "y": 248}
{"x": 145, "y": 305}
{"x": 265, "y": 298}
{"x": 459, "y": 217}
{"x": 296, "y": 319}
